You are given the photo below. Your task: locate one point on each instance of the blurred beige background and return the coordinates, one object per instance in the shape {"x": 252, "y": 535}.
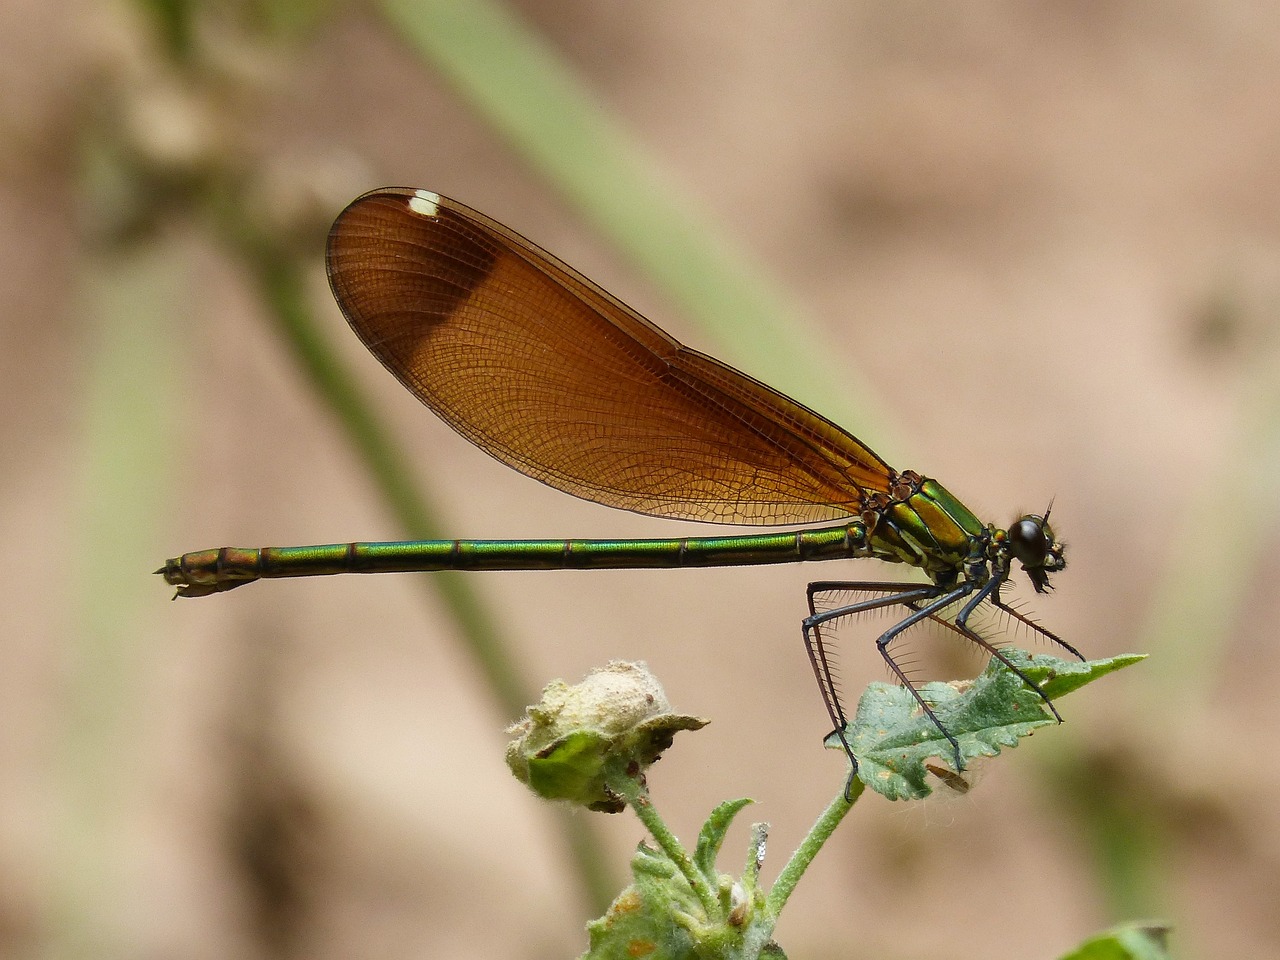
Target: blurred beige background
{"x": 1046, "y": 241}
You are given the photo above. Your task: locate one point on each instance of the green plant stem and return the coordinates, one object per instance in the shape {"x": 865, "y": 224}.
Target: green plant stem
{"x": 818, "y": 835}
{"x": 513, "y": 79}
{"x": 637, "y": 796}
{"x": 281, "y": 282}
{"x": 124, "y": 467}
{"x": 1193, "y": 612}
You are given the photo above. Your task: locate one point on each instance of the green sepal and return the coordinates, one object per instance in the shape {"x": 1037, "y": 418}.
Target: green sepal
{"x": 569, "y": 769}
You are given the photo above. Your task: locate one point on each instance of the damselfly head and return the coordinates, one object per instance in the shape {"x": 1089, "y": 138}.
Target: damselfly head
{"x": 1032, "y": 542}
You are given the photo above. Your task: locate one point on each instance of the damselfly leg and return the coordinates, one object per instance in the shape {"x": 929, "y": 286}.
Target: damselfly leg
{"x": 923, "y": 602}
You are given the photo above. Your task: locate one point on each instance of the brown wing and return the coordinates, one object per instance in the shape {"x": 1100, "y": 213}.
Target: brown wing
{"x": 543, "y": 369}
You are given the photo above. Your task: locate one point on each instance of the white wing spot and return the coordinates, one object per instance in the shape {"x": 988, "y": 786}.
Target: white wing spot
{"x": 425, "y": 202}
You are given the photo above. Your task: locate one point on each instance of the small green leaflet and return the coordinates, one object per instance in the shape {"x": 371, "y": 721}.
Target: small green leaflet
{"x": 658, "y": 917}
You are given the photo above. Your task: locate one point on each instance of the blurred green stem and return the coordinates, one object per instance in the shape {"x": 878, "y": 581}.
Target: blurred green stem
{"x": 281, "y": 281}
{"x": 125, "y": 467}
{"x": 512, "y": 78}
{"x": 1193, "y": 612}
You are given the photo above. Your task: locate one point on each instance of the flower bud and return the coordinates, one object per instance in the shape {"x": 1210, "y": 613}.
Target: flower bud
{"x": 615, "y": 723}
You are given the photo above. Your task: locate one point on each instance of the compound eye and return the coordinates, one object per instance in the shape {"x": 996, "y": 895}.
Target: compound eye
{"x": 1029, "y": 542}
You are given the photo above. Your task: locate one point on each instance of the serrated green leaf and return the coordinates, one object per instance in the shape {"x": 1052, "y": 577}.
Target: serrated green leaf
{"x": 1058, "y": 677}
{"x": 711, "y": 837}
{"x": 1138, "y": 941}
{"x": 892, "y": 738}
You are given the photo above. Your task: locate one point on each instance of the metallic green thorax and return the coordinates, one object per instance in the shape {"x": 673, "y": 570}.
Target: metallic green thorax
{"x": 925, "y": 526}
{"x": 930, "y": 529}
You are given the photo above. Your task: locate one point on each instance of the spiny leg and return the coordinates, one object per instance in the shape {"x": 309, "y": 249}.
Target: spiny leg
{"x": 991, "y": 590}
{"x": 1033, "y": 626}
{"x": 927, "y": 612}
{"x": 960, "y": 625}
{"x": 908, "y": 594}
{"x": 905, "y": 594}
{"x": 925, "y": 603}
